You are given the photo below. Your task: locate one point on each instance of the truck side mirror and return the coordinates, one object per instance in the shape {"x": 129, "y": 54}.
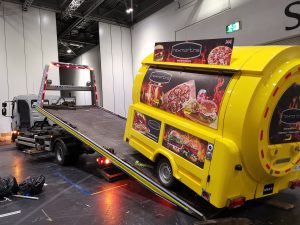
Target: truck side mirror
{"x": 4, "y": 112}
{"x": 4, "y": 104}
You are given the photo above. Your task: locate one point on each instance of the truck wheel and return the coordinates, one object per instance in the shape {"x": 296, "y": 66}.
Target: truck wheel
{"x": 61, "y": 153}
{"x": 165, "y": 173}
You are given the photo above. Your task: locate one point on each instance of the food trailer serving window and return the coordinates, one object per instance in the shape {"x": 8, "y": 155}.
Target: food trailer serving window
{"x": 193, "y": 95}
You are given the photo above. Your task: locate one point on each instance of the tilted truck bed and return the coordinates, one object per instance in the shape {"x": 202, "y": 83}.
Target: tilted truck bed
{"x": 100, "y": 129}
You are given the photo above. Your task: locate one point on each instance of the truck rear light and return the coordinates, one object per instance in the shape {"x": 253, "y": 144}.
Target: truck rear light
{"x": 294, "y": 184}
{"x": 102, "y": 161}
{"x": 236, "y": 202}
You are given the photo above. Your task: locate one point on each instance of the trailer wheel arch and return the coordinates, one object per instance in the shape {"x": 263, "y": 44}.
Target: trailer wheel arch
{"x": 174, "y": 166}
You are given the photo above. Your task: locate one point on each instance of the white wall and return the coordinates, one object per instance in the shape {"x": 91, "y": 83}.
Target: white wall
{"x": 116, "y": 67}
{"x": 27, "y": 42}
{"x": 81, "y": 77}
{"x": 262, "y": 21}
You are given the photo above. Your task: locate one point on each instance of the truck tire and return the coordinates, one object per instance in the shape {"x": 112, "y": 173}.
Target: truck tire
{"x": 61, "y": 153}
{"x": 165, "y": 173}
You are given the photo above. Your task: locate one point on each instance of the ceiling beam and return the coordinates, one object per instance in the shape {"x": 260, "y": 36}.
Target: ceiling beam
{"x": 27, "y": 4}
{"x": 112, "y": 9}
{"x": 77, "y": 15}
{"x": 79, "y": 20}
{"x": 62, "y": 4}
{"x": 77, "y": 42}
{"x": 71, "y": 8}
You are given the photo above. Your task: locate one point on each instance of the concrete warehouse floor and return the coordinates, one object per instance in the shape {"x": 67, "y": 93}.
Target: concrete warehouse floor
{"x": 79, "y": 195}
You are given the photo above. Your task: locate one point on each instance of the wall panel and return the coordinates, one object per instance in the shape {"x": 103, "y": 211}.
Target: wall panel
{"x": 15, "y": 51}
{"x": 106, "y": 67}
{"x": 27, "y": 41}
{"x": 49, "y": 42}
{"x": 116, "y": 67}
{"x": 127, "y": 67}
{"x": 117, "y": 64}
{"x": 92, "y": 59}
{"x": 33, "y": 51}
{"x": 4, "y": 122}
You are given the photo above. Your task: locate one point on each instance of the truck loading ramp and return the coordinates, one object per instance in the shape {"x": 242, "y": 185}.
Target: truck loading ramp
{"x": 100, "y": 129}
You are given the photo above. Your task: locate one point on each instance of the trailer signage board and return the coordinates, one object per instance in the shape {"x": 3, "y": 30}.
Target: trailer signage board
{"x": 211, "y": 51}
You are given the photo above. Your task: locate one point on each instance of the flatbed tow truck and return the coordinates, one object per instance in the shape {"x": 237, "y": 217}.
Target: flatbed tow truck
{"x": 220, "y": 163}
{"x": 103, "y": 131}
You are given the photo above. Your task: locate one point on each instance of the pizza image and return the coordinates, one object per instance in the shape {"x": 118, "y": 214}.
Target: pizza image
{"x": 220, "y": 55}
{"x": 174, "y": 99}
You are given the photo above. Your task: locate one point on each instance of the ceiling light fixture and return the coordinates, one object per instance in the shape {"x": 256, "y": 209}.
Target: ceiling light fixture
{"x": 69, "y": 51}
{"x": 129, "y": 10}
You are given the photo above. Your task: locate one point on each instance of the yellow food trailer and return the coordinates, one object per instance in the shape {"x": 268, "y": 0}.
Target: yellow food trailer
{"x": 229, "y": 132}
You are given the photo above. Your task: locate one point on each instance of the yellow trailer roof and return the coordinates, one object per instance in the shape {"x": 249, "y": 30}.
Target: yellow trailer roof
{"x": 247, "y": 58}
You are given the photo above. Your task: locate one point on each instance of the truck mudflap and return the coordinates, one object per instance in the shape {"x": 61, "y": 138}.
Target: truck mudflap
{"x": 126, "y": 167}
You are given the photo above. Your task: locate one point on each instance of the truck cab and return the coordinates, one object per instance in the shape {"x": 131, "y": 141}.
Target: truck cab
{"x": 22, "y": 112}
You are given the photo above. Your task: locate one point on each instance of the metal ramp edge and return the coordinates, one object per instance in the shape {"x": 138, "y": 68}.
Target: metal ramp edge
{"x": 130, "y": 170}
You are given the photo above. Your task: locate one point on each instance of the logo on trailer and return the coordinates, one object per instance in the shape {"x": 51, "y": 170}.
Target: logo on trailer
{"x": 186, "y": 50}
{"x": 155, "y": 125}
{"x": 268, "y": 189}
{"x": 290, "y": 116}
{"x": 160, "y": 77}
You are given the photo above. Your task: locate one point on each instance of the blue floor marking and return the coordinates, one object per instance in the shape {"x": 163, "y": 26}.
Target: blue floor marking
{"x": 80, "y": 188}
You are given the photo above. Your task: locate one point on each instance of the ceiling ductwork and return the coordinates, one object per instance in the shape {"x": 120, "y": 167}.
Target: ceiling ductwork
{"x": 27, "y": 4}
{"x": 74, "y": 5}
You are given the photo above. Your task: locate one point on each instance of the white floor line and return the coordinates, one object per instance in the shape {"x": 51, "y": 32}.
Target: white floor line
{"x": 48, "y": 217}
{"x": 11, "y": 213}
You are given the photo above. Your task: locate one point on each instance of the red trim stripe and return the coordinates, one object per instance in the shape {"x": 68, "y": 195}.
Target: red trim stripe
{"x": 268, "y": 166}
{"x": 261, "y": 135}
{"x": 275, "y": 92}
{"x": 277, "y": 172}
{"x": 288, "y": 75}
{"x": 299, "y": 69}
{"x": 298, "y": 161}
{"x": 266, "y": 112}
{"x": 288, "y": 170}
{"x": 262, "y": 153}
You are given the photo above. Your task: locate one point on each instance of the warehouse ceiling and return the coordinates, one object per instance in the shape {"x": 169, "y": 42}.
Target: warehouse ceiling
{"x": 77, "y": 20}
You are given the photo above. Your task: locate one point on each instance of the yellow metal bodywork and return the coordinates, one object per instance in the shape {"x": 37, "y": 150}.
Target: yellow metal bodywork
{"x": 243, "y": 126}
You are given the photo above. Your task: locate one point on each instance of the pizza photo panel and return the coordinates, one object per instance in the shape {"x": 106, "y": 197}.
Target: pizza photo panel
{"x": 193, "y": 95}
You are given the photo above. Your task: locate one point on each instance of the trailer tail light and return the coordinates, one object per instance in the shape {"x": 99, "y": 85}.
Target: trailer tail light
{"x": 236, "y": 202}
{"x": 294, "y": 184}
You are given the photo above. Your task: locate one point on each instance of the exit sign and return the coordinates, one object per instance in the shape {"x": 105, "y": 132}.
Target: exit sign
{"x": 235, "y": 26}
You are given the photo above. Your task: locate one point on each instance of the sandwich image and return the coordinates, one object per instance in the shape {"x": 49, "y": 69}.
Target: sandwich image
{"x": 205, "y": 111}
{"x": 185, "y": 145}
